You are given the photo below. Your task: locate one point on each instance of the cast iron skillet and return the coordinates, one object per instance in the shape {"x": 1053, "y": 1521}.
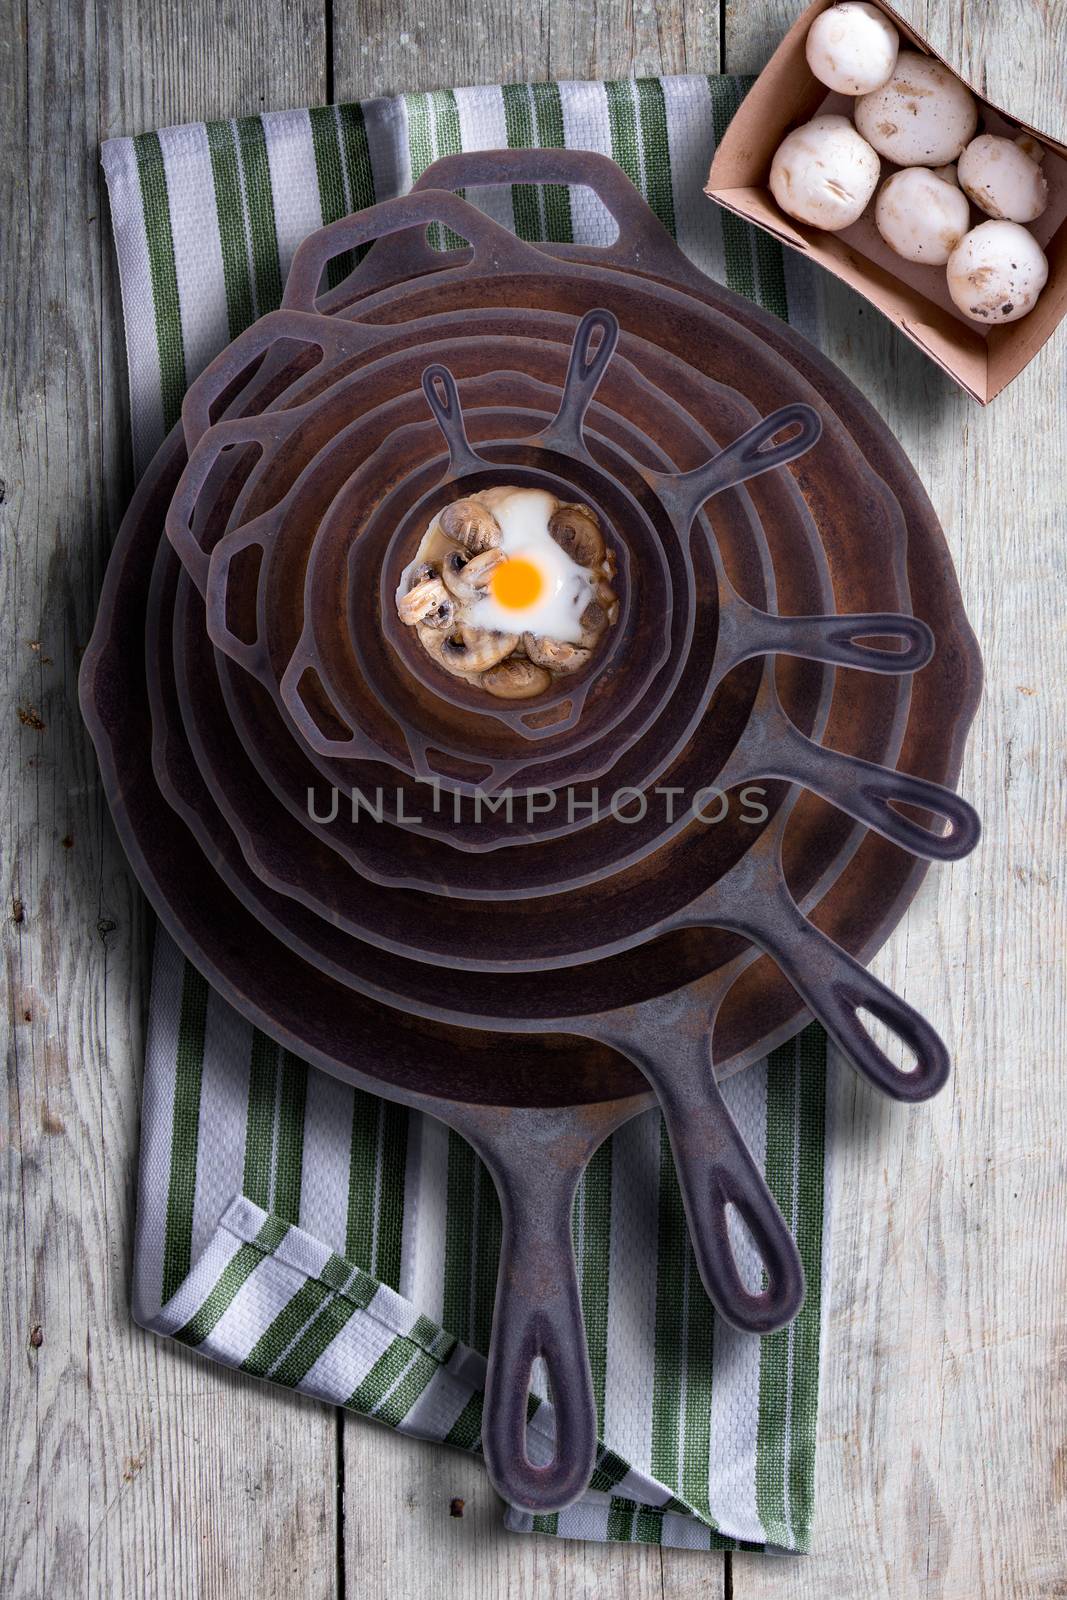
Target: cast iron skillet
{"x": 105, "y": 695}
{"x": 752, "y": 905}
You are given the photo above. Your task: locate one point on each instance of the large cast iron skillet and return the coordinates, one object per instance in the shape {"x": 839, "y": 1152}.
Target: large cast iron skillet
{"x": 530, "y": 1150}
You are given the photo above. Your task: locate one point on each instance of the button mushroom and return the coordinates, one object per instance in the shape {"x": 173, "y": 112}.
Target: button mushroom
{"x": 920, "y": 216}
{"x": 996, "y": 272}
{"x": 470, "y": 524}
{"x": 1002, "y": 179}
{"x": 852, "y": 48}
{"x": 824, "y": 173}
{"x": 469, "y": 580}
{"x": 465, "y": 651}
{"x": 922, "y": 117}
{"x": 555, "y": 654}
{"x": 516, "y": 679}
{"x": 428, "y": 602}
{"x": 577, "y": 532}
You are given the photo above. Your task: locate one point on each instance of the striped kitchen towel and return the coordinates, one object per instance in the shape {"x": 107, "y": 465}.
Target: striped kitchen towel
{"x": 332, "y": 1241}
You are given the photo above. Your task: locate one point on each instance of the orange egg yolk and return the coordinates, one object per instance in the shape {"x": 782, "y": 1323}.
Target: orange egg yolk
{"x": 516, "y": 584}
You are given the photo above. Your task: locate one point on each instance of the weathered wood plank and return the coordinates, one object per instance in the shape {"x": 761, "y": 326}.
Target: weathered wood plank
{"x": 401, "y": 1537}
{"x": 128, "y": 1469}
{"x": 381, "y": 48}
{"x": 945, "y": 1405}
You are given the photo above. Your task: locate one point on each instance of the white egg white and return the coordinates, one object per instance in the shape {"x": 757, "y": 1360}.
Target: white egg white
{"x": 566, "y": 588}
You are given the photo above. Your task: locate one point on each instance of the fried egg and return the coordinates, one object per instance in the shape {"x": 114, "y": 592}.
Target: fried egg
{"x": 537, "y": 588}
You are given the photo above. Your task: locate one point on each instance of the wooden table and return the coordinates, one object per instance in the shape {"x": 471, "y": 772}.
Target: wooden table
{"x": 130, "y": 1469}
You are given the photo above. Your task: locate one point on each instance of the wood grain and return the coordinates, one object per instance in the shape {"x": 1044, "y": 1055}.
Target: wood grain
{"x": 384, "y": 48}
{"x": 128, "y": 1468}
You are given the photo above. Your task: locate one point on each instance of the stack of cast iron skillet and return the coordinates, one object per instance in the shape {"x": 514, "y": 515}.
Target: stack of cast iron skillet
{"x": 496, "y": 911}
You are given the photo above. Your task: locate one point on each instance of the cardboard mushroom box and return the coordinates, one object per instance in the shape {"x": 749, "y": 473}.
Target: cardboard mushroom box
{"x": 913, "y": 295}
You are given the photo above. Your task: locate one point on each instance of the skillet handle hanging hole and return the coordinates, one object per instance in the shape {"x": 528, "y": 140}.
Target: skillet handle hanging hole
{"x": 720, "y": 1180}
{"x": 592, "y": 348}
{"x": 837, "y": 639}
{"x": 929, "y": 1064}
{"x": 442, "y": 395}
{"x": 538, "y": 1315}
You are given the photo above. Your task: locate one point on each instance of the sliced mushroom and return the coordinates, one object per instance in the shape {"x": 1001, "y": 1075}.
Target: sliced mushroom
{"x": 555, "y": 654}
{"x": 576, "y": 530}
{"x": 465, "y": 651}
{"x": 516, "y": 679}
{"x": 470, "y": 524}
{"x": 593, "y": 623}
{"x": 483, "y": 649}
{"x": 429, "y": 602}
{"x": 468, "y": 578}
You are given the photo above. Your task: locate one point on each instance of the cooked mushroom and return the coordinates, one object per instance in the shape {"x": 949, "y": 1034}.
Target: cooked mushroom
{"x": 516, "y": 679}
{"x": 576, "y": 531}
{"x": 465, "y": 651}
{"x": 428, "y": 602}
{"x": 593, "y": 622}
{"x": 555, "y": 654}
{"x": 470, "y": 524}
{"x": 468, "y": 577}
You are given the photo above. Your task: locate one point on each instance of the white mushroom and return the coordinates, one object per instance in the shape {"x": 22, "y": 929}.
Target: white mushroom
{"x": 469, "y": 580}
{"x": 471, "y": 524}
{"x": 920, "y": 216}
{"x": 428, "y": 602}
{"x": 1002, "y": 179}
{"x": 996, "y": 272}
{"x": 824, "y": 174}
{"x": 852, "y": 48}
{"x": 923, "y": 116}
{"x": 576, "y": 530}
{"x": 465, "y": 650}
{"x": 555, "y": 654}
{"x": 516, "y": 679}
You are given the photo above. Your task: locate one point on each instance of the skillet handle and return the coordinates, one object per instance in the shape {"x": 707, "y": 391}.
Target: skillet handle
{"x": 715, "y": 1170}
{"x": 641, "y": 243}
{"x": 751, "y": 454}
{"x": 180, "y": 513}
{"x": 745, "y": 631}
{"x": 537, "y": 1317}
{"x": 584, "y": 372}
{"x": 493, "y": 246}
{"x": 538, "y": 1312}
{"x": 250, "y": 654}
{"x": 442, "y": 395}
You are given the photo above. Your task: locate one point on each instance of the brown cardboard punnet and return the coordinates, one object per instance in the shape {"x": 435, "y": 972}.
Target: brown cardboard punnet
{"x": 983, "y": 360}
